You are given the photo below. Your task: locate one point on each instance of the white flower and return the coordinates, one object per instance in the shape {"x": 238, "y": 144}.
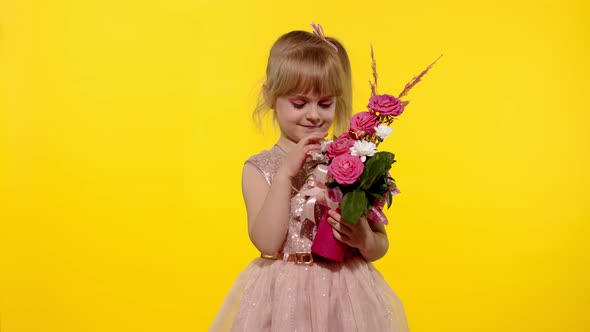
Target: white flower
{"x": 325, "y": 145}
{"x": 382, "y": 131}
{"x": 363, "y": 149}
{"x": 316, "y": 155}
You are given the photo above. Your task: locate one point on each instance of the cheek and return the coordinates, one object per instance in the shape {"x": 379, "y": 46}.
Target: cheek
{"x": 286, "y": 115}
{"x": 329, "y": 116}
{"x": 294, "y": 117}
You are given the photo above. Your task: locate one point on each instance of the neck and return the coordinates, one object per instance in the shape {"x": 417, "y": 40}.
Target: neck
{"x": 285, "y": 144}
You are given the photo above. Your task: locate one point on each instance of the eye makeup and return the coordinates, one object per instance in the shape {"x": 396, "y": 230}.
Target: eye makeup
{"x": 300, "y": 101}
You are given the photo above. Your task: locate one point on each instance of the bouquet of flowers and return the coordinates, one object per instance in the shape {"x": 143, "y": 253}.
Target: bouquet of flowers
{"x": 358, "y": 181}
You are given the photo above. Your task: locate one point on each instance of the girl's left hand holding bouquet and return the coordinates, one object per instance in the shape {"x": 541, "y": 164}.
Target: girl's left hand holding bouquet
{"x": 368, "y": 237}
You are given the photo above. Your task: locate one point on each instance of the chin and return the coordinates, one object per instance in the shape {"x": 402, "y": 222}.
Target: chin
{"x": 318, "y": 128}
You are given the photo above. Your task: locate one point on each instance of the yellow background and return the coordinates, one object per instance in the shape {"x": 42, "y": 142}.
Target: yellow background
{"x": 124, "y": 126}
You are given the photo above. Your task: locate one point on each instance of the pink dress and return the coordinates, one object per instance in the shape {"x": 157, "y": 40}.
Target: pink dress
{"x": 275, "y": 295}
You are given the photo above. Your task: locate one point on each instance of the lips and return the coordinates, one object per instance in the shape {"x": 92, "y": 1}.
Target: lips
{"x": 311, "y": 126}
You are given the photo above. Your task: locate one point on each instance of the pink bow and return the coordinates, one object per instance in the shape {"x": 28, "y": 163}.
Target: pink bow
{"x": 319, "y": 31}
{"x": 315, "y": 185}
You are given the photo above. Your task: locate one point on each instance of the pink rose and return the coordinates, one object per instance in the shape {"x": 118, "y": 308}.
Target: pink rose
{"x": 363, "y": 123}
{"x": 346, "y": 169}
{"x": 341, "y": 145}
{"x": 386, "y": 105}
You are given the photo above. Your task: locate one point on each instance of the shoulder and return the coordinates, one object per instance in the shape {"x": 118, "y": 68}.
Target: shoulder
{"x": 267, "y": 162}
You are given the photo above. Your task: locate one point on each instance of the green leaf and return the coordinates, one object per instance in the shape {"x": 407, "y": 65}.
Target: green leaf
{"x": 378, "y": 196}
{"x": 389, "y": 199}
{"x": 367, "y": 208}
{"x": 380, "y": 185}
{"x": 352, "y": 206}
{"x": 375, "y": 167}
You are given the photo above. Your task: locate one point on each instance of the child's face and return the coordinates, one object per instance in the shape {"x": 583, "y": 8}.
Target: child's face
{"x": 299, "y": 115}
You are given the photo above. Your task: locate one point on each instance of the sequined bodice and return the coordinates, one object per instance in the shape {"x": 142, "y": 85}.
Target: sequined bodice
{"x": 301, "y": 232}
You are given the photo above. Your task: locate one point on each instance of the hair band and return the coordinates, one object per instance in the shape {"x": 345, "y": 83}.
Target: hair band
{"x": 319, "y": 31}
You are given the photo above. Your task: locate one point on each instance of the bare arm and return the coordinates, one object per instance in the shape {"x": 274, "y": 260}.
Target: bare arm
{"x": 376, "y": 248}
{"x": 267, "y": 207}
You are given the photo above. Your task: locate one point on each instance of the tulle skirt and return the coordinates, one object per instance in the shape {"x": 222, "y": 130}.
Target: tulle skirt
{"x": 272, "y": 295}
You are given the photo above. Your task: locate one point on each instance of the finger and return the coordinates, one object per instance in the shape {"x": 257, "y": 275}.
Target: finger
{"x": 305, "y": 140}
{"x": 312, "y": 147}
{"x": 333, "y": 213}
{"x": 340, "y": 227}
{"x": 302, "y": 150}
{"x": 320, "y": 134}
{"x": 338, "y": 218}
{"x": 359, "y": 222}
{"x": 313, "y": 138}
{"x": 339, "y": 236}
{"x": 363, "y": 221}
{"x": 309, "y": 151}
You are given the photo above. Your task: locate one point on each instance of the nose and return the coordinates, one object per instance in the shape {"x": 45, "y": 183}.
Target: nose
{"x": 313, "y": 115}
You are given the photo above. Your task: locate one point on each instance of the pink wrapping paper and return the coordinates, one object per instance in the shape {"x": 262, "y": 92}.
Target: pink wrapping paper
{"x": 324, "y": 243}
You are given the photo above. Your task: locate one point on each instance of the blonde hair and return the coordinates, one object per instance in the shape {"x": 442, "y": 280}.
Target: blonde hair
{"x": 301, "y": 62}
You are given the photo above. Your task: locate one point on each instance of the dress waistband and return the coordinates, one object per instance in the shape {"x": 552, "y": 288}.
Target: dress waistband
{"x": 305, "y": 258}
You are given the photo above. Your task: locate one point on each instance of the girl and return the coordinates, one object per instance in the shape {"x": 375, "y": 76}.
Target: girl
{"x": 308, "y": 87}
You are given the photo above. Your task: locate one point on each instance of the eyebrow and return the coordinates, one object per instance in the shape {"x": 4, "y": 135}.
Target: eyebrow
{"x": 308, "y": 98}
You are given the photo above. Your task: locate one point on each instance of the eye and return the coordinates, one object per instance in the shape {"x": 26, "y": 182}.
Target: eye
{"x": 326, "y": 103}
{"x": 298, "y": 105}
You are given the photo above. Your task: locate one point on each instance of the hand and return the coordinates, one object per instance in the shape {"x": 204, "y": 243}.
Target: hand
{"x": 359, "y": 236}
{"x": 300, "y": 153}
